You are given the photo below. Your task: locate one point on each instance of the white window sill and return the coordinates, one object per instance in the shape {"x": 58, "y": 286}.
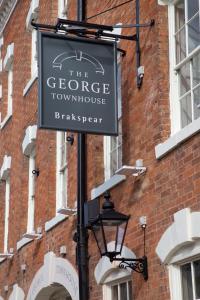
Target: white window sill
{"x": 5, "y": 120}
{"x": 107, "y": 185}
{"x": 67, "y": 211}
{"x": 55, "y": 221}
{"x": 29, "y": 84}
{"x": 2, "y": 259}
{"x": 175, "y": 140}
{"x": 24, "y": 241}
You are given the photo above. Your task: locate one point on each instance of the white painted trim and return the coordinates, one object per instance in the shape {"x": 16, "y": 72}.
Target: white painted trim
{"x": 105, "y": 268}
{"x": 1, "y": 60}
{"x": 55, "y": 221}
{"x": 61, "y": 171}
{"x": 32, "y": 14}
{"x": 6, "y": 214}
{"x": 107, "y": 185}
{"x": 106, "y": 151}
{"x": 1, "y": 260}
{"x": 55, "y": 270}
{"x": 17, "y": 293}
{"x": 8, "y": 67}
{"x": 183, "y": 232}
{"x": 29, "y": 140}
{"x": 175, "y": 140}
{"x": 166, "y": 2}
{"x": 175, "y": 111}
{"x": 29, "y": 84}
{"x": 1, "y": 41}
{"x": 62, "y": 9}
{"x": 8, "y": 60}
{"x": 6, "y": 13}
{"x": 175, "y": 282}
{"x": 24, "y": 241}
{"x": 34, "y": 63}
{"x": 5, "y": 120}
{"x": 31, "y": 194}
{"x": 5, "y": 169}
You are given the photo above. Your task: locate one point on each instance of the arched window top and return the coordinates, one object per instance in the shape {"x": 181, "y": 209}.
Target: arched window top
{"x": 182, "y": 235}
{"x": 105, "y": 270}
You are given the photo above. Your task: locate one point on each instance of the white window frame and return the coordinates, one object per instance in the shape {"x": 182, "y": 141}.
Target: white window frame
{"x": 8, "y": 67}
{"x": 107, "y": 287}
{"x": 61, "y": 170}
{"x": 179, "y": 244}
{"x": 31, "y": 193}
{"x": 178, "y": 134}
{"x": 107, "y": 140}
{"x": 108, "y": 274}
{"x": 62, "y": 9}
{"x": 5, "y": 176}
{"x": 34, "y": 60}
{"x": 33, "y": 15}
{"x": 174, "y": 67}
{"x": 175, "y": 279}
{"x": 28, "y": 149}
{"x": 1, "y": 64}
{"x": 7, "y": 209}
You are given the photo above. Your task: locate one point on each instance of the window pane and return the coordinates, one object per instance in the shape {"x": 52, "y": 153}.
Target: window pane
{"x": 115, "y": 292}
{"x": 193, "y": 7}
{"x": 187, "y": 282}
{"x": 180, "y": 45}
{"x": 184, "y": 77}
{"x": 196, "y": 69}
{"x": 180, "y": 15}
{"x": 186, "y": 111}
{"x": 197, "y": 277}
{"x": 123, "y": 291}
{"x": 130, "y": 290}
{"x": 197, "y": 103}
{"x": 193, "y": 33}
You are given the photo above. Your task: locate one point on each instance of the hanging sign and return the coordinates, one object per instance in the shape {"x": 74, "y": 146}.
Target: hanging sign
{"x": 77, "y": 84}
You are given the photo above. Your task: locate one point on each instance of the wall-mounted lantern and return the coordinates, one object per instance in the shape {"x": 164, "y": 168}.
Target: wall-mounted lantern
{"x": 111, "y": 225}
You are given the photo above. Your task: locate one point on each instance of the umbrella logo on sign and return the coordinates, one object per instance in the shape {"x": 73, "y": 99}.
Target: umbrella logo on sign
{"x": 78, "y": 56}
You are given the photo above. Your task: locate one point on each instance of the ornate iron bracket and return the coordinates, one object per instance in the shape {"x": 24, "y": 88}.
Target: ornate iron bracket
{"x": 91, "y": 30}
{"x": 138, "y": 265}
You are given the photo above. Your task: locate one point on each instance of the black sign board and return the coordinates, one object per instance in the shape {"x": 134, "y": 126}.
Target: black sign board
{"x": 77, "y": 84}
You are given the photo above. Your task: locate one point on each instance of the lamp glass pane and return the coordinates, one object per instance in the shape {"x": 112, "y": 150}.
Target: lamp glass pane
{"x": 110, "y": 235}
{"x": 100, "y": 239}
{"x": 120, "y": 236}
